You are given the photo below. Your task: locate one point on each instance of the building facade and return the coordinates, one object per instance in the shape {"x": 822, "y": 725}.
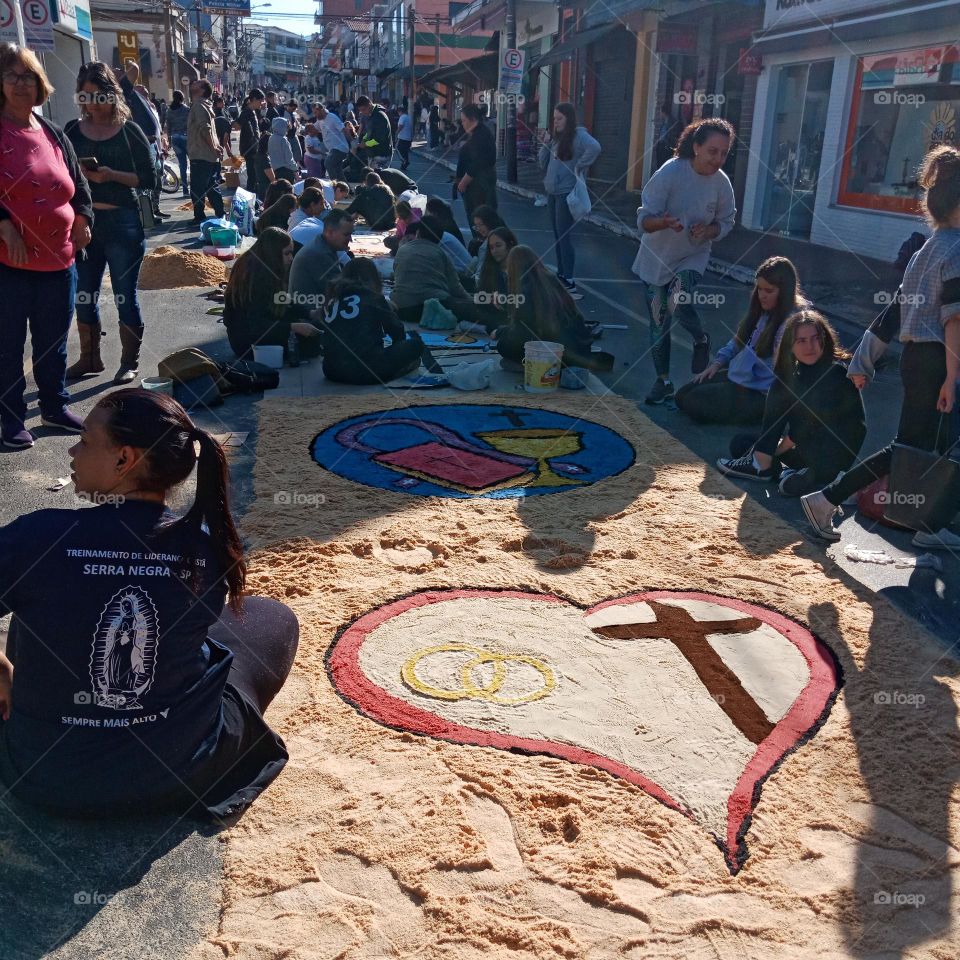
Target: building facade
{"x": 852, "y": 95}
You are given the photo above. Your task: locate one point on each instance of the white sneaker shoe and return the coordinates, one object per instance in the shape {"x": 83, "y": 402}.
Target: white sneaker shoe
{"x": 820, "y": 513}
{"x": 941, "y": 540}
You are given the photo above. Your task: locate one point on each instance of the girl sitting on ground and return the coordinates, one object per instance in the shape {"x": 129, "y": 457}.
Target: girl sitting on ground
{"x": 485, "y": 219}
{"x": 312, "y": 203}
{"x": 541, "y": 309}
{"x": 734, "y": 386}
{"x": 374, "y": 202}
{"x": 493, "y": 286}
{"x": 814, "y": 422}
{"x": 277, "y": 215}
{"x": 406, "y": 215}
{"x": 444, "y": 213}
{"x": 257, "y": 308}
{"x": 356, "y": 318}
{"x": 275, "y": 191}
{"x": 149, "y": 696}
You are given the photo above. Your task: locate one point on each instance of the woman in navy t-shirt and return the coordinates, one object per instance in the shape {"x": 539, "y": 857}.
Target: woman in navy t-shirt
{"x": 127, "y": 686}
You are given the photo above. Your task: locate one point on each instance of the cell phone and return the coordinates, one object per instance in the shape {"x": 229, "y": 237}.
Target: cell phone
{"x": 90, "y": 163}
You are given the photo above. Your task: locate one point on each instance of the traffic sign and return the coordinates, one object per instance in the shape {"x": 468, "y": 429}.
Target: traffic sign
{"x": 37, "y": 24}
{"x": 511, "y": 71}
{"x": 8, "y": 23}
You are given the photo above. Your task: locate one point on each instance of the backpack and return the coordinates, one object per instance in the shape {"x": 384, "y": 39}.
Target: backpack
{"x": 190, "y": 363}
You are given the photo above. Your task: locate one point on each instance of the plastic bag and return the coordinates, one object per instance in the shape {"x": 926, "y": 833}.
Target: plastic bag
{"x": 214, "y": 223}
{"x": 242, "y": 209}
{"x": 472, "y": 376}
{"x": 415, "y": 199}
{"x": 435, "y": 316}
{"x": 578, "y": 200}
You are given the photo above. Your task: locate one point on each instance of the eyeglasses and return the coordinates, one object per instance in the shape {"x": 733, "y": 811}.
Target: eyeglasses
{"x": 16, "y": 79}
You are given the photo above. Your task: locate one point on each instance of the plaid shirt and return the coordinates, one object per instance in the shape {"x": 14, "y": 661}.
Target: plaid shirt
{"x": 931, "y": 287}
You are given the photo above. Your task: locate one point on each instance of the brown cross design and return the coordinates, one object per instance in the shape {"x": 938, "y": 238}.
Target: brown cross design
{"x": 690, "y": 637}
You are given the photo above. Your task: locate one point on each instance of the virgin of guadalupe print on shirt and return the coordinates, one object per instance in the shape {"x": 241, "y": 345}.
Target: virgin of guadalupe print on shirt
{"x": 124, "y": 654}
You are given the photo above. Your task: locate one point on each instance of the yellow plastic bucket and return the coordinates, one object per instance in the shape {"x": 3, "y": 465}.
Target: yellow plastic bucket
{"x": 541, "y": 366}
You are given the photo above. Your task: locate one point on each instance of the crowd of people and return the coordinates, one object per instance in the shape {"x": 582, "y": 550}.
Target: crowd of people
{"x": 81, "y": 210}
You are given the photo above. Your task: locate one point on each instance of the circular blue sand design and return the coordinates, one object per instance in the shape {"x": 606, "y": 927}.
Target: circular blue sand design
{"x": 471, "y": 450}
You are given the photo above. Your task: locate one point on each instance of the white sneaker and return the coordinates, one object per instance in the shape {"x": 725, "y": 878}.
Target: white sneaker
{"x": 541, "y": 200}
{"x": 820, "y": 513}
{"x": 941, "y": 540}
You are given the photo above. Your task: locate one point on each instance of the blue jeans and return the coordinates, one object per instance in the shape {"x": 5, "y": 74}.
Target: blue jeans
{"x": 562, "y": 222}
{"x": 203, "y": 183}
{"x": 672, "y": 301}
{"x": 179, "y": 143}
{"x": 42, "y": 301}
{"x": 118, "y": 244}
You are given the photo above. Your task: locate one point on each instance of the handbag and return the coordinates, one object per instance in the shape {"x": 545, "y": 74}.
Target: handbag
{"x": 248, "y": 376}
{"x": 148, "y": 219}
{"x": 578, "y": 199}
{"x": 924, "y": 487}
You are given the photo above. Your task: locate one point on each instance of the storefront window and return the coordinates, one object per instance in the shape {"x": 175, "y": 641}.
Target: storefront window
{"x": 803, "y": 92}
{"x": 904, "y": 104}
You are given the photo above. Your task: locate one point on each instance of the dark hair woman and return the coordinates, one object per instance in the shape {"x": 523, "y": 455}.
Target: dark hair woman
{"x": 277, "y": 215}
{"x": 814, "y": 422}
{"x": 257, "y": 308}
{"x": 541, "y": 309}
{"x": 357, "y": 317}
{"x": 149, "y": 696}
{"x": 45, "y": 218}
{"x": 444, "y": 213}
{"x": 564, "y": 159}
{"x": 687, "y": 204}
{"x": 375, "y": 203}
{"x": 930, "y": 363}
{"x": 124, "y": 165}
{"x": 477, "y": 163}
{"x": 175, "y": 124}
{"x": 493, "y": 274}
{"x": 275, "y": 191}
{"x": 733, "y": 388}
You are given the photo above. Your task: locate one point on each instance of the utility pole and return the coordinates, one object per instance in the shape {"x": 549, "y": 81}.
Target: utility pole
{"x": 200, "y": 65}
{"x": 436, "y": 41}
{"x": 511, "y": 144}
{"x": 168, "y": 41}
{"x": 413, "y": 63}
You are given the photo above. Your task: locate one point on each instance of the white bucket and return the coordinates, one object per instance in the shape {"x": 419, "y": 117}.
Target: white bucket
{"x": 270, "y": 356}
{"x": 541, "y": 366}
{"x": 157, "y": 384}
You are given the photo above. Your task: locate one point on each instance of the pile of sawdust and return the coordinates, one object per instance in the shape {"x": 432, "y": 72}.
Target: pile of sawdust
{"x": 170, "y": 267}
{"x": 380, "y": 843}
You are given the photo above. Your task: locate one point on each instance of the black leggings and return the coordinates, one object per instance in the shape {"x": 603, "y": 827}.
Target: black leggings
{"x": 388, "y": 364}
{"x": 263, "y": 640}
{"x": 720, "y": 400}
{"x": 923, "y": 368}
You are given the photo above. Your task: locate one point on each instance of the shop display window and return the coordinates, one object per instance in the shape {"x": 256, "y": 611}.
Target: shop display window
{"x": 905, "y": 103}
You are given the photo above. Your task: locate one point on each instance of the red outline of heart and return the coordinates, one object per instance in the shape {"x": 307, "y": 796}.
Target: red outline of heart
{"x": 802, "y": 720}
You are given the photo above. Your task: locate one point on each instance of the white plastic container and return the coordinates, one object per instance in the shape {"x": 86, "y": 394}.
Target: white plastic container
{"x": 541, "y": 366}
{"x": 269, "y": 356}
{"x": 157, "y": 384}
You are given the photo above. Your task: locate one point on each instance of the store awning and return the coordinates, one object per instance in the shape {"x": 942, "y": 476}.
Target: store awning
{"x": 186, "y": 70}
{"x": 904, "y": 18}
{"x": 386, "y": 71}
{"x": 478, "y": 72}
{"x": 582, "y": 39}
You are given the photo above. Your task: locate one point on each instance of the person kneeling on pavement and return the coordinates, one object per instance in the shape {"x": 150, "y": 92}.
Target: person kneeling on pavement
{"x": 356, "y": 318}
{"x": 814, "y": 423}
{"x": 317, "y": 263}
{"x": 540, "y": 308}
{"x": 733, "y": 389}
{"x": 258, "y": 310}
{"x": 374, "y": 202}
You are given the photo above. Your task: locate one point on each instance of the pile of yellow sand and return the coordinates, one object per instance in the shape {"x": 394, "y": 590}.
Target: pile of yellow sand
{"x": 380, "y": 843}
{"x": 169, "y": 267}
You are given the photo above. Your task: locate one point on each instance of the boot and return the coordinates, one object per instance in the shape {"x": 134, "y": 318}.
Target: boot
{"x": 130, "y": 340}
{"x": 89, "y": 362}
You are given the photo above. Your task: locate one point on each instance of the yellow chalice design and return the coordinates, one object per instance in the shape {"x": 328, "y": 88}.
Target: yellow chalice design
{"x": 541, "y": 444}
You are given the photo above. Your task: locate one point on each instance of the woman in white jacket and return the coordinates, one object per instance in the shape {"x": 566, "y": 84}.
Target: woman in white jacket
{"x": 564, "y": 157}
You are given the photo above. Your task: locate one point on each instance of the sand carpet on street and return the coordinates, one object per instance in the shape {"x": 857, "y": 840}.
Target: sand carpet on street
{"x": 511, "y": 736}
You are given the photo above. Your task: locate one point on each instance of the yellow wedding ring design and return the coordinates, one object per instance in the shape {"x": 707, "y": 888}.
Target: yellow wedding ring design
{"x": 469, "y": 690}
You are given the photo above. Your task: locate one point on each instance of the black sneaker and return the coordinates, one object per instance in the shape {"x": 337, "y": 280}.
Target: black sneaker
{"x": 701, "y": 355}
{"x": 798, "y": 483}
{"x": 571, "y": 288}
{"x": 660, "y": 392}
{"x": 744, "y": 469}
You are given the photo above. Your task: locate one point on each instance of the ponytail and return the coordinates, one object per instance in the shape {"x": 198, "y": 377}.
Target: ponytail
{"x": 940, "y": 178}
{"x": 212, "y": 506}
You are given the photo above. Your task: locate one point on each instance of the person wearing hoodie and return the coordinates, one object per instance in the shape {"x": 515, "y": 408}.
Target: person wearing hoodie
{"x": 565, "y": 158}
{"x": 279, "y": 152}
